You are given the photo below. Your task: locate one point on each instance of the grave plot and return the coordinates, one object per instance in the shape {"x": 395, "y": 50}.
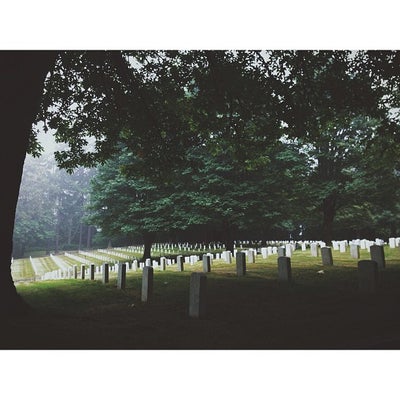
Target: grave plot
{"x": 114, "y": 255}
{"x": 21, "y": 269}
{"x": 43, "y": 265}
{"x": 60, "y": 263}
{"x": 93, "y": 255}
{"x": 81, "y": 259}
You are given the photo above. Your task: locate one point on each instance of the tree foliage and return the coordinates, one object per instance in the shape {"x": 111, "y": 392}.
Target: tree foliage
{"x": 51, "y": 207}
{"x": 157, "y": 104}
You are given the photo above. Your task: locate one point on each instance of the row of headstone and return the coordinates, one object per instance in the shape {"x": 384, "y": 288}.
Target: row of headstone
{"x": 94, "y": 255}
{"x": 241, "y": 244}
{"x": 61, "y": 264}
{"x": 76, "y": 258}
{"x": 113, "y": 253}
{"x": 367, "y": 269}
{"x": 367, "y": 281}
{"x": 394, "y": 242}
{"x": 376, "y": 251}
{"x": 250, "y": 253}
{"x": 34, "y": 266}
{"x": 173, "y": 247}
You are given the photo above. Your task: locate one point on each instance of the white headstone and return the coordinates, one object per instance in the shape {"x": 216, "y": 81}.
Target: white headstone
{"x": 288, "y": 249}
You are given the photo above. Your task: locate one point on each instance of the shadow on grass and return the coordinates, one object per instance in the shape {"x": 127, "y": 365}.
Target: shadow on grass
{"x": 253, "y": 312}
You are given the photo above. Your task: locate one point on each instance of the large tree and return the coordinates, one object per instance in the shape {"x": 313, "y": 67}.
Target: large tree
{"x": 339, "y": 103}
{"x": 135, "y": 206}
{"x": 214, "y": 193}
{"x": 22, "y": 76}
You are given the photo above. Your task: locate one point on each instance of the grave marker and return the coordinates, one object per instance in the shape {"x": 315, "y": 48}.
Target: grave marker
{"x": 83, "y": 269}
{"x": 206, "y": 263}
{"x": 240, "y": 263}
{"x": 264, "y": 252}
{"x": 121, "y": 278}
{"x": 284, "y": 269}
{"x": 378, "y": 255}
{"x": 147, "y": 284}
{"x": 180, "y": 263}
{"x": 251, "y": 256}
{"x": 354, "y": 250}
{"x": 105, "y": 274}
{"x": 288, "y": 250}
{"x": 227, "y": 256}
{"x": 335, "y": 245}
{"x": 326, "y": 253}
{"x": 314, "y": 249}
{"x": 197, "y": 295}
{"x": 163, "y": 263}
{"x": 92, "y": 269}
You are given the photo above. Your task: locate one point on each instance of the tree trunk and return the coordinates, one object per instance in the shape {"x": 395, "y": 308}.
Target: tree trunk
{"x": 69, "y": 234}
{"x": 393, "y": 230}
{"x": 57, "y": 236}
{"x": 148, "y": 238}
{"x": 22, "y": 75}
{"x": 329, "y": 212}
{"x": 229, "y": 237}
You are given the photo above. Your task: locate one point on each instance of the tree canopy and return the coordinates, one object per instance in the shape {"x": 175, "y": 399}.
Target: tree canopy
{"x": 157, "y": 104}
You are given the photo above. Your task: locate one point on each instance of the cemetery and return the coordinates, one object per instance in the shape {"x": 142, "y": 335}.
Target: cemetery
{"x": 211, "y": 199}
{"x": 251, "y": 299}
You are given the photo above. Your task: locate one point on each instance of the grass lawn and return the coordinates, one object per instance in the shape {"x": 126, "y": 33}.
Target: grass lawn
{"x": 315, "y": 311}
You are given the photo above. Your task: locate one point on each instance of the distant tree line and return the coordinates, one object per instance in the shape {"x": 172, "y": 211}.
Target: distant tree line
{"x": 51, "y": 208}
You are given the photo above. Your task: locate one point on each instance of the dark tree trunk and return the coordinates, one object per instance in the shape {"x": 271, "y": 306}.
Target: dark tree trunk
{"x": 393, "y": 230}
{"x": 148, "y": 238}
{"x": 329, "y": 212}
{"x": 22, "y": 75}
{"x": 229, "y": 233}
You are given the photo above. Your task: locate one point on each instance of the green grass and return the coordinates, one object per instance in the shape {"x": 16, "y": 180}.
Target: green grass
{"x": 72, "y": 261}
{"x": 315, "y": 311}
{"x": 48, "y": 264}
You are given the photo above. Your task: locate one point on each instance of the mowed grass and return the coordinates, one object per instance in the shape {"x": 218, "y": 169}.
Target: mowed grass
{"x": 22, "y": 269}
{"x": 315, "y": 311}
